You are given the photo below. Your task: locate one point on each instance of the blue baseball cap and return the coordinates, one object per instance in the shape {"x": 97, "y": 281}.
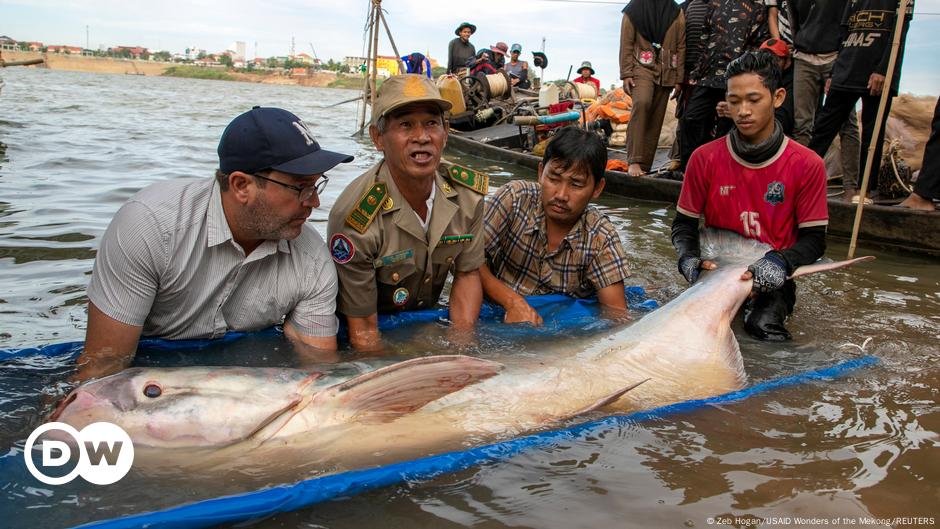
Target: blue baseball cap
{"x": 273, "y": 138}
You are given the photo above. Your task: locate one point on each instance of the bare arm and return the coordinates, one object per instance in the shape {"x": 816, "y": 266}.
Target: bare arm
{"x": 466, "y": 297}
{"x": 772, "y": 22}
{"x": 109, "y": 346}
{"x": 364, "y": 333}
{"x": 517, "y": 308}
{"x": 311, "y": 349}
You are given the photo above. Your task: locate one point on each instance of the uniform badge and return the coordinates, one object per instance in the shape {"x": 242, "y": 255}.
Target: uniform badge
{"x": 774, "y": 193}
{"x": 341, "y": 248}
{"x": 646, "y": 57}
{"x": 388, "y": 204}
{"x": 396, "y": 257}
{"x": 479, "y": 182}
{"x": 360, "y": 218}
{"x": 400, "y": 297}
{"x": 446, "y": 187}
{"x": 456, "y": 239}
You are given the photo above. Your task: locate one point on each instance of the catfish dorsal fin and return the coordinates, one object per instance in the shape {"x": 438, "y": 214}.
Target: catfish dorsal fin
{"x": 388, "y": 393}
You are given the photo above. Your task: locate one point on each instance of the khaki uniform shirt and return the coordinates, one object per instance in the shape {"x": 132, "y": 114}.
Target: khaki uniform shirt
{"x": 392, "y": 264}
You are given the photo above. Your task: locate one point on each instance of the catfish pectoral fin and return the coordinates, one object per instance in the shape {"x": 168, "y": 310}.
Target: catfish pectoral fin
{"x": 388, "y": 393}
{"x": 609, "y": 399}
{"x": 823, "y": 267}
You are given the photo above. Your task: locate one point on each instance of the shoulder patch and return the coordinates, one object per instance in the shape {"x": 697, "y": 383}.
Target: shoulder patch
{"x": 477, "y": 181}
{"x": 361, "y": 217}
{"x": 341, "y": 248}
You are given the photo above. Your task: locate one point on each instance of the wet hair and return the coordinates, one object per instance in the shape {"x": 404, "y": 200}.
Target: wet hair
{"x": 576, "y": 147}
{"x": 762, "y": 63}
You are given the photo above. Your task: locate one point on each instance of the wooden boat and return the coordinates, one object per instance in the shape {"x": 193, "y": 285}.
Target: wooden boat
{"x": 884, "y": 226}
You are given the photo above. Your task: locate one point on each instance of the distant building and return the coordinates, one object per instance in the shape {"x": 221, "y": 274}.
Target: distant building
{"x": 69, "y": 50}
{"x": 385, "y": 65}
{"x": 6, "y": 43}
{"x": 238, "y": 50}
{"x": 135, "y": 51}
{"x": 34, "y": 46}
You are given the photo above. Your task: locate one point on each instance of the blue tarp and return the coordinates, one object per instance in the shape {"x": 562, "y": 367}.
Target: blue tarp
{"x": 560, "y": 313}
{"x": 267, "y": 502}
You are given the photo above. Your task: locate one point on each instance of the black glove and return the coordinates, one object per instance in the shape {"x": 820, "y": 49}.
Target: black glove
{"x": 770, "y": 272}
{"x": 690, "y": 266}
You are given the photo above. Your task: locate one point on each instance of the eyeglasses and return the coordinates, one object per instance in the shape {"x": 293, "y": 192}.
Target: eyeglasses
{"x": 303, "y": 193}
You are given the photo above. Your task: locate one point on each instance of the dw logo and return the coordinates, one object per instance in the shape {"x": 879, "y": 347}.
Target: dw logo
{"x": 105, "y": 453}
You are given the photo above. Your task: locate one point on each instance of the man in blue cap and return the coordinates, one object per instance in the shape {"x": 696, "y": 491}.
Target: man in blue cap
{"x": 196, "y": 258}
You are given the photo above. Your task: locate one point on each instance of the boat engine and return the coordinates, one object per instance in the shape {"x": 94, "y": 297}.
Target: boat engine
{"x": 486, "y": 99}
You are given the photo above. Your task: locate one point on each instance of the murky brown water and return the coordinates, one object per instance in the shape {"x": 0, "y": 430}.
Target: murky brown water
{"x": 862, "y": 448}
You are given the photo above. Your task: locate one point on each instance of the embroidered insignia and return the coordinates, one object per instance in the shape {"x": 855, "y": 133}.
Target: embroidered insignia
{"x": 446, "y": 187}
{"x": 400, "y": 297}
{"x": 341, "y": 248}
{"x": 456, "y": 239}
{"x": 479, "y": 182}
{"x": 646, "y": 57}
{"x": 396, "y": 257}
{"x": 360, "y": 218}
{"x": 774, "y": 193}
{"x": 388, "y": 204}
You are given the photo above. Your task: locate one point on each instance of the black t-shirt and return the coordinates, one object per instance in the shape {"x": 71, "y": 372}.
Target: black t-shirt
{"x": 867, "y": 46}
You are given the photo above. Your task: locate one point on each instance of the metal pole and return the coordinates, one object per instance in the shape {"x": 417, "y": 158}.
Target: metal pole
{"x": 876, "y": 130}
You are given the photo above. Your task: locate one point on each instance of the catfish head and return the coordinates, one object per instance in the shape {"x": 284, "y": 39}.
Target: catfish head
{"x": 189, "y": 407}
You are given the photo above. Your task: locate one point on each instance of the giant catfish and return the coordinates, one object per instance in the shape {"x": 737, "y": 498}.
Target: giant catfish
{"x": 306, "y": 422}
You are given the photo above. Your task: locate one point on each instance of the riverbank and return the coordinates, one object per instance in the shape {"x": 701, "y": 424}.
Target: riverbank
{"x": 77, "y": 63}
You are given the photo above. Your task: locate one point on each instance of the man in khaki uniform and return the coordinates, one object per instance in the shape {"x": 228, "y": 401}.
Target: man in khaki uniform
{"x": 398, "y": 229}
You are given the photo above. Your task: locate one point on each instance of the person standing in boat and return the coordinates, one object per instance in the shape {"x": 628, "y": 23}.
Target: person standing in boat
{"x": 927, "y": 187}
{"x": 546, "y": 238}
{"x": 757, "y": 182}
{"x": 586, "y": 72}
{"x": 196, "y": 258}
{"x": 652, "y": 63}
{"x": 400, "y": 229}
{"x": 460, "y": 50}
{"x": 731, "y": 27}
{"x": 518, "y": 70}
{"x": 859, "y": 72}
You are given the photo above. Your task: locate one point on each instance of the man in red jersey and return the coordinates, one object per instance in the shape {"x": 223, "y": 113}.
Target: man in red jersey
{"x": 757, "y": 182}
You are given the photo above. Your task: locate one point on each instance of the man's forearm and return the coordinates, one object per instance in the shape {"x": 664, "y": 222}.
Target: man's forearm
{"x": 364, "y": 333}
{"x": 466, "y": 297}
{"x": 495, "y": 290}
{"x": 109, "y": 346}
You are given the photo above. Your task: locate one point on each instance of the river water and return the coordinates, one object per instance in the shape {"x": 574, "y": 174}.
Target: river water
{"x": 861, "y": 448}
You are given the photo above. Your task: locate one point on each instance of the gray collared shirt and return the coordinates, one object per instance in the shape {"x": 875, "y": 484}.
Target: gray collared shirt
{"x": 168, "y": 262}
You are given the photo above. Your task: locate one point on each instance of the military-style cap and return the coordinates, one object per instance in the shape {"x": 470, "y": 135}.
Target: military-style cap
{"x": 400, "y": 90}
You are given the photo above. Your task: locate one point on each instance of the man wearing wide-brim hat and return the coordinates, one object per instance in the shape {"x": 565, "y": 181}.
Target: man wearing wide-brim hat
{"x": 397, "y": 231}
{"x": 460, "y": 50}
{"x": 587, "y": 76}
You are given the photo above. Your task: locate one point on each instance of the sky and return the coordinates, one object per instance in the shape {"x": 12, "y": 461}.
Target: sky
{"x": 574, "y": 31}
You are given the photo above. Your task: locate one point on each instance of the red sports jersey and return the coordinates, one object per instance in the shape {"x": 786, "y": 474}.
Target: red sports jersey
{"x": 768, "y": 202}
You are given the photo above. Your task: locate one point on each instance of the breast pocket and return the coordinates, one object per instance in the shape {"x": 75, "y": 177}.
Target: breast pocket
{"x": 395, "y": 273}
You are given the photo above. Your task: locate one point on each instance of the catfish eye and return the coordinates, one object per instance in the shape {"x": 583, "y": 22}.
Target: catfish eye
{"x": 152, "y": 391}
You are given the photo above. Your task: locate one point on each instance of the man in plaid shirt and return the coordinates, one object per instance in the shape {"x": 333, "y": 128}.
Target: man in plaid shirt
{"x": 545, "y": 238}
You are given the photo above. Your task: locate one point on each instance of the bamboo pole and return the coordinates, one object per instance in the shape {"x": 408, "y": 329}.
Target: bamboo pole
{"x": 376, "y": 16}
{"x": 879, "y": 119}
{"x": 365, "y": 78}
{"x": 390, "y": 39}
